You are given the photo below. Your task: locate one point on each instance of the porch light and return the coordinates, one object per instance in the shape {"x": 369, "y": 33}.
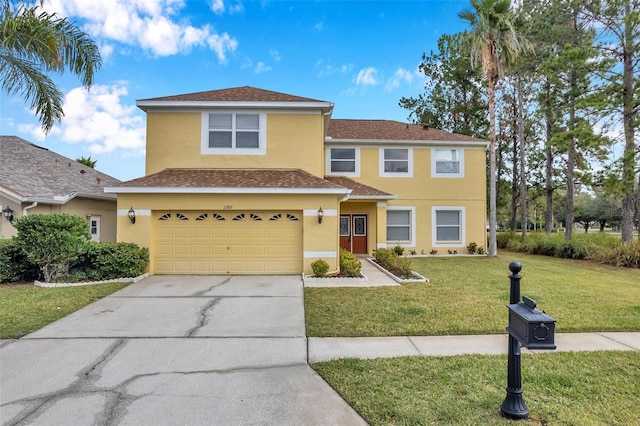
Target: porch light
{"x": 320, "y": 214}
{"x": 8, "y": 214}
{"x": 132, "y": 215}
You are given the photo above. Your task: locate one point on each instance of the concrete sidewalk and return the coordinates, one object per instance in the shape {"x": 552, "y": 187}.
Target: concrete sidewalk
{"x": 328, "y": 348}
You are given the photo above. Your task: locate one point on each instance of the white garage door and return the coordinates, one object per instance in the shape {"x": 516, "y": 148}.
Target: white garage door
{"x": 225, "y": 242}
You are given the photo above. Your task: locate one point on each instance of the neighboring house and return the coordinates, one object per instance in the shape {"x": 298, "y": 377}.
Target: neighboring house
{"x": 35, "y": 180}
{"x": 245, "y": 180}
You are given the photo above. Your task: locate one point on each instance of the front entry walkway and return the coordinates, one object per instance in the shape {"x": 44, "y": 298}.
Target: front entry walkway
{"x": 168, "y": 350}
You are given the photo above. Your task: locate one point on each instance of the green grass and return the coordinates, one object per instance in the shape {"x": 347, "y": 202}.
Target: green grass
{"x": 26, "y": 308}
{"x": 585, "y": 388}
{"x": 467, "y": 295}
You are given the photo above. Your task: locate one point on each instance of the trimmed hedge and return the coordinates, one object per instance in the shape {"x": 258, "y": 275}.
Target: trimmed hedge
{"x": 98, "y": 261}
{"x": 598, "y": 247}
{"x": 106, "y": 261}
{"x": 14, "y": 265}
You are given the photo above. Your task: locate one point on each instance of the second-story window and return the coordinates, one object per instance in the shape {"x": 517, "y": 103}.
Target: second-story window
{"x": 343, "y": 161}
{"x": 396, "y": 162}
{"x": 447, "y": 162}
{"x": 234, "y": 133}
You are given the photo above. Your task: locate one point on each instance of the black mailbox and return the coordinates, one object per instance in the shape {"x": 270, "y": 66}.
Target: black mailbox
{"x": 532, "y": 328}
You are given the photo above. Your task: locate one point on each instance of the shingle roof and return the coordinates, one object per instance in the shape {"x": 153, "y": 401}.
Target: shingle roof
{"x": 34, "y": 172}
{"x": 231, "y": 178}
{"x": 359, "y": 190}
{"x": 235, "y": 94}
{"x": 390, "y": 130}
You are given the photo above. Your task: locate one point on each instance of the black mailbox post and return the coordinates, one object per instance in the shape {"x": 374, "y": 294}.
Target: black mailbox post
{"x": 530, "y": 328}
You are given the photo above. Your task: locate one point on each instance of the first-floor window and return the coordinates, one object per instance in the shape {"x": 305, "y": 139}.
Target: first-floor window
{"x": 448, "y": 224}
{"x": 400, "y": 224}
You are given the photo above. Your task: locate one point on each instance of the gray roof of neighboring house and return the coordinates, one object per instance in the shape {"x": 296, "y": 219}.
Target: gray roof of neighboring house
{"x": 34, "y": 173}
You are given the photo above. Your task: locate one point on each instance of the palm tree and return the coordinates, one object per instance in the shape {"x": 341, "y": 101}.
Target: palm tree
{"x": 33, "y": 43}
{"x": 494, "y": 44}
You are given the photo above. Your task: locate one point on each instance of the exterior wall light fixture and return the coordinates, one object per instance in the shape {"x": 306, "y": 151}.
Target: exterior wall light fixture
{"x": 8, "y": 214}
{"x": 320, "y": 214}
{"x": 132, "y": 215}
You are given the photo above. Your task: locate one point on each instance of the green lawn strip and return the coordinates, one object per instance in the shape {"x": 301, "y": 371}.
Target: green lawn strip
{"x": 467, "y": 295}
{"x": 26, "y": 308}
{"x": 579, "y": 388}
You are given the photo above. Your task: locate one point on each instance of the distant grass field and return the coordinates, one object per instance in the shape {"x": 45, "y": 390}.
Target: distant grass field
{"x": 467, "y": 295}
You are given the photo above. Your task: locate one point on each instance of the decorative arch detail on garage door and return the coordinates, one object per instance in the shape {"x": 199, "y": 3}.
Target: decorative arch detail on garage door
{"x": 227, "y": 242}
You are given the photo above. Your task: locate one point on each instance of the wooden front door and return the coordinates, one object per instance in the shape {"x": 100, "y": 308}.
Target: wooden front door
{"x": 353, "y": 233}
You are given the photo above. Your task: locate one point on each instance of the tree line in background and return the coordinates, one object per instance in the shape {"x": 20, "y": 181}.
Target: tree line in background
{"x": 559, "y": 78}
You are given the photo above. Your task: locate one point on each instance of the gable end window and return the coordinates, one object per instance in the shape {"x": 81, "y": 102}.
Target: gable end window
{"x": 234, "y": 133}
{"x": 447, "y": 162}
{"x": 396, "y": 162}
{"x": 343, "y": 161}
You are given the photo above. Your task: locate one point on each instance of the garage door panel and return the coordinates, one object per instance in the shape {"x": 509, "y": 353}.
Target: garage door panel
{"x": 214, "y": 243}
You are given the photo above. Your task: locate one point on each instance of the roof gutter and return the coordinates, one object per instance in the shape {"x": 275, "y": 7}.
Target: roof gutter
{"x": 216, "y": 190}
{"x": 330, "y": 141}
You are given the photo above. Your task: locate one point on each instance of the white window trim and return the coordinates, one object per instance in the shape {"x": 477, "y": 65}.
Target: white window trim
{"x": 435, "y": 174}
{"x": 328, "y": 162}
{"x": 262, "y": 135}
{"x": 463, "y": 230}
{"x": 407, "y": 174}
{"x": 412, "y": 231}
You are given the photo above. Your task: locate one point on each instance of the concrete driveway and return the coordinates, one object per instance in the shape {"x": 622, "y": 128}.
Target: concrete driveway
{"x": 196, "y": 350}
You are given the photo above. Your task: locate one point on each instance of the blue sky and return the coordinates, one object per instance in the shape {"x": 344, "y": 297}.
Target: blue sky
{"x": 361, "y": 55}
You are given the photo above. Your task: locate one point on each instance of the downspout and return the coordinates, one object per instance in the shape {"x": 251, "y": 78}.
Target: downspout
{"x": 24, "y": 210}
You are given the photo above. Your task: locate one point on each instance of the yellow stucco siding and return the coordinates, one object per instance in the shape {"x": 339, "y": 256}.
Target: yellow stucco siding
{"x": 421, "y": 193}
{"x": 318, "y": 240}
{"x": 422, "y": 185}
{"x": 293, "y": 141}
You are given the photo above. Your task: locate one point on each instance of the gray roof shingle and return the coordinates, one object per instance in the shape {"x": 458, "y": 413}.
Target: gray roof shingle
{"x": 34, "y": 172}
{"x": 235, "y": 94}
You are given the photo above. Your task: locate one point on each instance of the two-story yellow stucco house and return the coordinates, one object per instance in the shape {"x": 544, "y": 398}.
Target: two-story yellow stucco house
{"x": 250, "y": 181}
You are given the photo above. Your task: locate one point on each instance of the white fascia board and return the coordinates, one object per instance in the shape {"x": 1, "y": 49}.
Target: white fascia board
{"x": 373, "y": 197}
{"x": 235, "y": 104}
{"x": 209, "y": 190}
{"x": 14, "y": 196}
{"x": 377, "y": 142}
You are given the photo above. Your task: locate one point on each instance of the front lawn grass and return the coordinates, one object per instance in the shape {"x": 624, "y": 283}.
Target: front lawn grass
{"x": 467, "y": 295}
{"x": 26, "y": 308}
{"x": 579, "y": 388}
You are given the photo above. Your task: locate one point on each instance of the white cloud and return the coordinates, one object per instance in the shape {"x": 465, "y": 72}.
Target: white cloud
{"x": 99, "y": 119}
{"x": 275, "y": 55}
{"x": 367, "y": 77}
{"x": 261, "y": 67}
{"x": 401, "y": 75}
{"x": 219, "y": 7}
{"x": 325, "y": 69}
{"x": 151, "y": 24}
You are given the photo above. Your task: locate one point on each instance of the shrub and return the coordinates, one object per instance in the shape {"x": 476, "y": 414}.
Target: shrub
{"x": 14, "y": 265}
{"x": 389, "y": 260}
{"x": 398, "y": 249}
{"x": 106, "y": 261}
{"x": 53, "y": 241}
{"x": 350, "y": 265}
{"x": 320, "y": 268}
{"x": 472, "y": 248}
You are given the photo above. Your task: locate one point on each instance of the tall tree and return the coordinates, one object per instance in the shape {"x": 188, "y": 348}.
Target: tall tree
{"x": 619, "y": 23}
{"x": 34, "y": 43}
{"x": 453, "y": 100}
{"x": 494, "y": 43}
